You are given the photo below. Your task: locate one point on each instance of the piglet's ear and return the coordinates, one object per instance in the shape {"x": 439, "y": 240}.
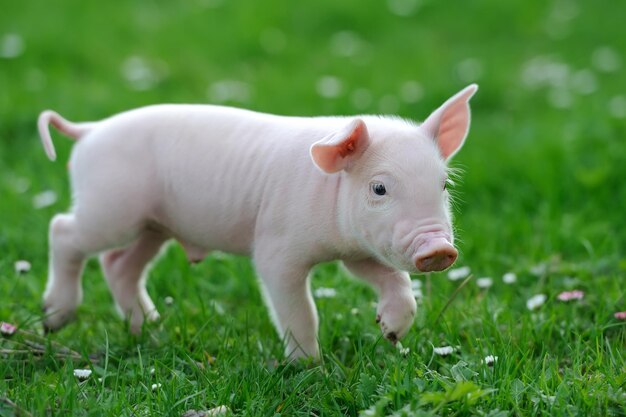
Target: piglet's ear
{"x": 339, "y": 150}
{"x": 449, "y": 124}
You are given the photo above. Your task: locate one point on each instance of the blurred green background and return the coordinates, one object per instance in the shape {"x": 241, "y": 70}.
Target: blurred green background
{"x": 545, "y": 158}
{"x": 544, "y": 164}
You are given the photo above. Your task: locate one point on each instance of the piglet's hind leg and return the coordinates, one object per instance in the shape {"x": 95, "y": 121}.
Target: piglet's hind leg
{"x": 126, "y": 273}
{"x": 63, "y": 290}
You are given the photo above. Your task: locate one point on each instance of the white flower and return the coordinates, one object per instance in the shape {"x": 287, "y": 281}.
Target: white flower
{"x": 411, "y": 91}
{"x": 82, "y": 374}
{"x": 606, "y": 59}
{"x": 19, "y": 184}
{"x": 346, "y": 43}
{"x": 155, "y": 387}
{"x": 329, "y": 86}
{"x": 444, "y": 350}
{"x": 354, "y": 311}
{"x": 584, "y": 82}
{"x": 470, "y": 69}
{"x": 403, "y": 7}
{"x": 221, "y": 410}
{"x": 403, "y": 351}
{"x": 484, "y": 282}
{"x": 22, "y": 266}
{"x": 416, "y": 286}
{"x": 509, "y": 278}
{"x": 458, "y": 273}
{"x": 44, "y": 199}
{"x": 168, "y": 300}
{"x": 11, "y": 45}
{"x": 617, "y": 107}
{"x": 418, "y": 294}
{"x": 536, "y": 301}
{"x": 141, "y": 73}
{"x": 490, "y": 360}
{"x": 539, "y": 269}
{"x": 543, "y": 72}
{"x": 325, "y": 293}
{"x": 229, "y": 90}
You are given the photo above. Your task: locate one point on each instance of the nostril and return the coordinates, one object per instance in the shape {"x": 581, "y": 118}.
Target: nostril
{"x": 437, "y": 261}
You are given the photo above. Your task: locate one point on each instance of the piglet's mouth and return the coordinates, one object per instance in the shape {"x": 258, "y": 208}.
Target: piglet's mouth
{"x": 435, "y": 254}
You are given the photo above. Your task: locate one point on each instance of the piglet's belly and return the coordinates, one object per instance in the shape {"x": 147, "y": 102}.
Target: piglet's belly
{"x": 200, "y": 234}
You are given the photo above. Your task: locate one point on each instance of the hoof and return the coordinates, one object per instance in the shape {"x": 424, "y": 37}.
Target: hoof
{"x": 47, "y": 330}
{"x": 392, "y": 337}
{"x": 55, "y": 320}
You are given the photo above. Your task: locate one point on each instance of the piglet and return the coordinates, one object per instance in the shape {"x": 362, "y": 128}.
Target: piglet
{"x": 289, "y": 191}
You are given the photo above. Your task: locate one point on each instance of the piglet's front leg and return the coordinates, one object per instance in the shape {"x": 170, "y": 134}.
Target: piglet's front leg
{"x": 396, "y": 304}
{"x": 287, "y": 293}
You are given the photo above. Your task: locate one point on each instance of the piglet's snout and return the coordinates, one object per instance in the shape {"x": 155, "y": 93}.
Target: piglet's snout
{"x": 435, "y": 255}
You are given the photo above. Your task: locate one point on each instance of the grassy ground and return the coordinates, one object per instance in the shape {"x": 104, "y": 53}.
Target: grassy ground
{"x": 542, "y": 196}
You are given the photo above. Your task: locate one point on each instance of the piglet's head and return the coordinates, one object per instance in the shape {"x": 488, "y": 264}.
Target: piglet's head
{"x": 393, "y": 199}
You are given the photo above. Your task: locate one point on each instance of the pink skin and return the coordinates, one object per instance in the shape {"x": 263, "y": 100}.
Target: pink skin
{"x": 436, "y": 254}
{"x": 289, "y": 191}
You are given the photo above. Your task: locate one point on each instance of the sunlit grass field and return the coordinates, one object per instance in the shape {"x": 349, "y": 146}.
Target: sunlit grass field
{"x": 541, "y": 195}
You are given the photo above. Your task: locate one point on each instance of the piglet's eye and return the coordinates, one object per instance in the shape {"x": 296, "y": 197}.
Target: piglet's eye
{"x": 378, "y": 188}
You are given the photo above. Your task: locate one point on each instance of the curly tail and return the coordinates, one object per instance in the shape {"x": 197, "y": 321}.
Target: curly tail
{"x": 73, "y": 130}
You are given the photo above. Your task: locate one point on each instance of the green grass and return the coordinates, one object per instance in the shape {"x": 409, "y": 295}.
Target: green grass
{"x": 543, "y": 185}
